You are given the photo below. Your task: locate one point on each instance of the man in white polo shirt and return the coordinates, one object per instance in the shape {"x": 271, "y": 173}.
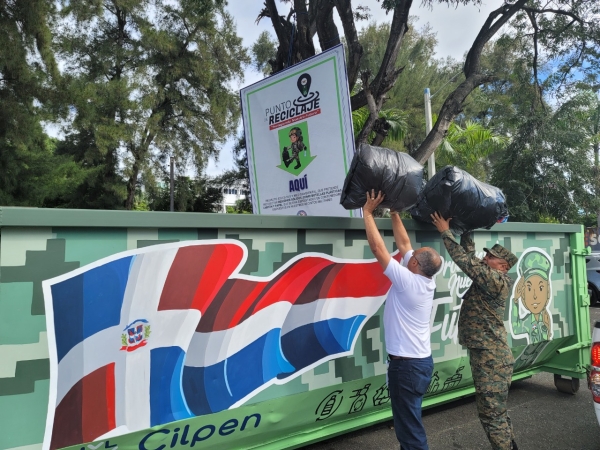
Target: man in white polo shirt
{"x": 406, "y": 323}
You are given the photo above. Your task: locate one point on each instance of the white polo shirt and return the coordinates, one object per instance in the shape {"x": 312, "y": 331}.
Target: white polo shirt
{"x": 407, "y": 311}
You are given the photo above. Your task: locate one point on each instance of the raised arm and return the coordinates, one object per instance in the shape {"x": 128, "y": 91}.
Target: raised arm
{"x": 373, "y": 236}
{"x": 466, "y": 242}
{"x": 463, "y": 255}
{"x": 400, "y": 234}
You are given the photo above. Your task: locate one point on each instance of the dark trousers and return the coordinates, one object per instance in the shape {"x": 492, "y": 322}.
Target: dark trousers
{"x": 408, "y": 380}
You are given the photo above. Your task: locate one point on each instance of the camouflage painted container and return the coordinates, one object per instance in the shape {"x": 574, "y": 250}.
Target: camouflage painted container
{"x": 307, "y": 397}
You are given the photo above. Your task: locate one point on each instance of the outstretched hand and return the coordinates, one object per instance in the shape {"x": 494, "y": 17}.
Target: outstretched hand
{"x": 440, "y": 223}
{"x": 372, "y": 202}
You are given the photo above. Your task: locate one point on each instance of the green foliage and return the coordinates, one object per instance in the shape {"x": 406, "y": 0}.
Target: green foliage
{"x": 242, "y": 206}
{"x": 389, "y": 5}
{"x": 32, "y": 174}
{"x": 263, "y": 50}
{"x": 568, "y": 42}
{"x": 546, "y": 170}
{"x": 539, "y": 153}
{"x": 469, "y": 148}
{"x": 147, "y": 80}
{"x": 420, "y": 70}
{"x": 396, "y": 119}
{"x": 141, "y": 203}
{"x": 202, "y": 194}
{"x": 547, "y": 219}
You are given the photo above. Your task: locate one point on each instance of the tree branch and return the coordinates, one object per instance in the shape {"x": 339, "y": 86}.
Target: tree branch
{"x": 494, "y": 22}
{"x": 398, "y": 29}
{"x": 554, "y": 11}
{"x": 473, "y": 78}
{"x": 534, "y": 24}
{"x": 305, "y": 43}
{"x": 374, "y": 108}
{"x": 388, "y": 73}
{"x": 575, "y": 63}
{"x": 355, "y": 50}
{"x": 450, "y": 109}
{"x": 283, "y": 32}
{"x": 326, "y": 29}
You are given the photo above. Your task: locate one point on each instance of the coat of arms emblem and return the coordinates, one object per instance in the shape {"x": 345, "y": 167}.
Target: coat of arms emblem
{"x": 135, "y": 335}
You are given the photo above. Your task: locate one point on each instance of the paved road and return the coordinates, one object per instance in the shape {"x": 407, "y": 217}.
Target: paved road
{"x": 543, "y": 418}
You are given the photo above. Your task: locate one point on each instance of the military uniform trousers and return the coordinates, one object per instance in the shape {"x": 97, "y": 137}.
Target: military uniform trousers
{"x": 492, "y": 374}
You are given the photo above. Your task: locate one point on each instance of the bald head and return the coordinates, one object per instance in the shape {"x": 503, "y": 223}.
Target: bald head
{"x": 429, "y": 261}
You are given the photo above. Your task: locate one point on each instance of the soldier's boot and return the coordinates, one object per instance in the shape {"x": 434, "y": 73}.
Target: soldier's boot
{"x": 297, "y": 165}
{"x": 513, "y": 445}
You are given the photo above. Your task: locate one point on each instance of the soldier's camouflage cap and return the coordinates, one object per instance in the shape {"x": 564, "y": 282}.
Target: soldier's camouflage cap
{"x": 501, "y": 252}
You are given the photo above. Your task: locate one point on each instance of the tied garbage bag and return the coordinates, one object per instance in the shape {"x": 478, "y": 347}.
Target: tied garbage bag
{"x": 395, "y": 174}
{"x": 455, "y": 193}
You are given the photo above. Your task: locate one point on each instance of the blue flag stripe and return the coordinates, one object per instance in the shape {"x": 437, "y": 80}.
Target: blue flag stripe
{"x": 166, "y": 397}
{"x": 217, "y": 387}
{"x": 88, "y": 303}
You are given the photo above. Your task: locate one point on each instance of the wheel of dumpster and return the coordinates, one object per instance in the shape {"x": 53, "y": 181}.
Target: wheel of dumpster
{"x": 566, "y": 385}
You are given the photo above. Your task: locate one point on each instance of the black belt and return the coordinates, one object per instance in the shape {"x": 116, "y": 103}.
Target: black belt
{"x": 398, "y": 357}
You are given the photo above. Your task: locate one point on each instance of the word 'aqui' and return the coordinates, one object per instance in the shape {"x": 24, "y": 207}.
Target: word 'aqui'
{"x": 299, "y": 184}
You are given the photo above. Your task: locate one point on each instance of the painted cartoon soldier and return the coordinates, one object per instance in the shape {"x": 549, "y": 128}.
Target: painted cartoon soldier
{"x": 296, "y": 147}
{"x": 533, "y": 288}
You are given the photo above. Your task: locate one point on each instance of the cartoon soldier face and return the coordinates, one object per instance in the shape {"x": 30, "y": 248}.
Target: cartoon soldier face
{"x": 535, "y": 272}
{"x": 536, "y": 293}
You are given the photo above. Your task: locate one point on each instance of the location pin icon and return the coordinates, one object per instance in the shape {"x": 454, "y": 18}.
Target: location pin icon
{"x": 304, "y": 84}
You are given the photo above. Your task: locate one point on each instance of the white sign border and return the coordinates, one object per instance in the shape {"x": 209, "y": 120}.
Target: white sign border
{"x": 345, "y": 112}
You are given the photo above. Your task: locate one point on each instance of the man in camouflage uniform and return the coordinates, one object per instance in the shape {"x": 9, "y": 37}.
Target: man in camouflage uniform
{"x": 481, "y": 329}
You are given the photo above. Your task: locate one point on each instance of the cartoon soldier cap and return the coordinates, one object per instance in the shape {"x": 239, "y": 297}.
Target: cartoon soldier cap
{"x": 535, "y": 264}
{"x": 503, "y": 253}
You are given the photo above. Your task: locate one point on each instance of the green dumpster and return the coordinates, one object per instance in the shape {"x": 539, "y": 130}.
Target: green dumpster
{"x": 148, "y": 330}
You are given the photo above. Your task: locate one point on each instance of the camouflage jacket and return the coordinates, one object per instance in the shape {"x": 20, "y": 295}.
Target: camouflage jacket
{"x": 481, "y": 322}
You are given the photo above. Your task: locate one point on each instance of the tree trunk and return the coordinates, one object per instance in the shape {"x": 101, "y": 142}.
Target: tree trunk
{"x": 132, "y": 185}
{"x": 305, "y": 42}
{"x": 326, "y": 29}
{"x": 319, "y": 19}
{"x": 388, "y": 74}
{"x": 381, "y": 128}
{"x": 374, "y": 108}
{"x": 139, "y": 156}
{"x": 355, "y": 50}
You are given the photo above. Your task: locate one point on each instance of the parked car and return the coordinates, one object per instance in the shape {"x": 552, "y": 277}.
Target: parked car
{"x": 594, "y": 372}
{"x": 593, "y": 275}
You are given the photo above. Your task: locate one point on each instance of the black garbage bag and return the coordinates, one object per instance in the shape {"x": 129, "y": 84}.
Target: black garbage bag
{"x": 455, "y": 193}
{"x": 395, "y": 174}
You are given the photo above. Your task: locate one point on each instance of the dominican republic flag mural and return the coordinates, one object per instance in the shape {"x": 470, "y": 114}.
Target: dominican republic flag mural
{"x": 164, "y": 333}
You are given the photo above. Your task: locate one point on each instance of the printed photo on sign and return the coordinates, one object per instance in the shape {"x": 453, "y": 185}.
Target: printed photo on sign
{"x": 295, "y": 148}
